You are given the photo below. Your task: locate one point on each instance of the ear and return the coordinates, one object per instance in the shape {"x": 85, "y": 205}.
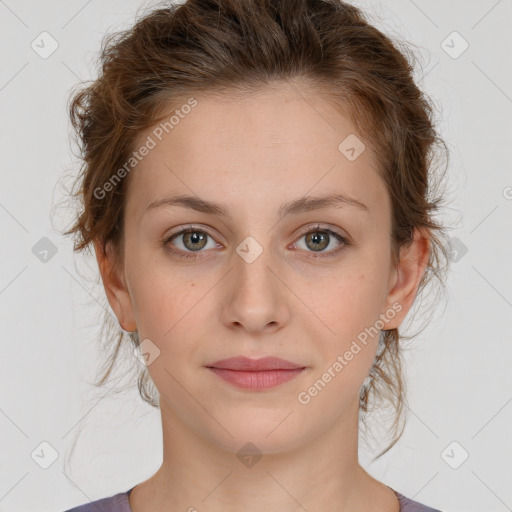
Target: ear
{"x": 115, "y": 287}
{"x": 405, "y": 278}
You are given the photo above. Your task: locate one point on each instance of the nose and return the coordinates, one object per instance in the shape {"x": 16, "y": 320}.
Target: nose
{"x": 255, "y": 299}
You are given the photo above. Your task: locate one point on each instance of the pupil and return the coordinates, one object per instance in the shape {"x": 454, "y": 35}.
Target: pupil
{"x": 319, "y": 240}
{"x": 195, "y": 237}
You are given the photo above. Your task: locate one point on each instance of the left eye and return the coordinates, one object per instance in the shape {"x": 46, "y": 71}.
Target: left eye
{"x": 318, "y": 239}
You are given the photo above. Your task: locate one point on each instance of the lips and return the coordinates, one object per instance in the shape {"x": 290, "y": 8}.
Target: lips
{"x": 256, "y": 374}
{"x": 242, "y": 363}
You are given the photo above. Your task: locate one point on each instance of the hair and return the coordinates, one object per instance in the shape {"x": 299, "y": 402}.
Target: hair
{"x": 206, "y": 47}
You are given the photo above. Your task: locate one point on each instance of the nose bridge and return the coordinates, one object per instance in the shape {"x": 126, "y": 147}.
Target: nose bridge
{"x": 254, "y": 277}
{"x": 252, "y": 269}
{"x": 256, "y": 296}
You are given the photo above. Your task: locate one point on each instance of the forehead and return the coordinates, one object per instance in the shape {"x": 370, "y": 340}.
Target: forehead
{"x": 280, "y": 140}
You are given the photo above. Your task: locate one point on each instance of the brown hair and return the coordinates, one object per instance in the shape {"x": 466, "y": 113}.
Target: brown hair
{"x": 214, "y": 46}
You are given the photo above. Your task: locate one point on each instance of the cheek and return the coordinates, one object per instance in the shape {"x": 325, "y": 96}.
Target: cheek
{"x": 350, "y": 308}
{"x": 163, "y": 304}
{"x": 168, "y": 312}
{"x": 348, "y": 348}
{"x": 353, "y": 300}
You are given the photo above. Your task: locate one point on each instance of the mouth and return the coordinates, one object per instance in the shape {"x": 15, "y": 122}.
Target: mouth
{"x": 256, "y": 374}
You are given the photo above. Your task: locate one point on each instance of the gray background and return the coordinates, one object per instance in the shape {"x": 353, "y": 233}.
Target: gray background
{"x": 459, "y": 379}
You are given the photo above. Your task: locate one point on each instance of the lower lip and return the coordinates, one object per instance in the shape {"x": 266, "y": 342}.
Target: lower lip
{"x": 257, "y": 380}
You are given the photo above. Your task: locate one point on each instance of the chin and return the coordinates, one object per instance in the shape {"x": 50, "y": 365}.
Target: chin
{"x": 268, "y": 434}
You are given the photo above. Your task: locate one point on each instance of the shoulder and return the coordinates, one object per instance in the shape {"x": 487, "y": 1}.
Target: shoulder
{"x": 116, "y": 503}
{"x": 408, "y": 505}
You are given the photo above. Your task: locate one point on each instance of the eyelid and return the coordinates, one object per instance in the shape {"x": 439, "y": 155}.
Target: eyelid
{"x": 320, "y": 227}
{"x": 187, "y": 227}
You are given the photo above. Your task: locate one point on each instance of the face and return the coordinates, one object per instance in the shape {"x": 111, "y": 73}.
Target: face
{"x": 248, "y": 279}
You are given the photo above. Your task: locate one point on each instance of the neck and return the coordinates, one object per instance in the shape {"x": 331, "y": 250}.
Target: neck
{"x": 318, "y": 474}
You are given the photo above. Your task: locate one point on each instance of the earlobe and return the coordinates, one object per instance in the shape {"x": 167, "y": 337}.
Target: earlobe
{"x": 413, "y": 261}
{"x": 115, "y": 286}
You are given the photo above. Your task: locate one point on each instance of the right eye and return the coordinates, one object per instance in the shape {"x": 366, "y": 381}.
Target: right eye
{"x": 192, "y": 240}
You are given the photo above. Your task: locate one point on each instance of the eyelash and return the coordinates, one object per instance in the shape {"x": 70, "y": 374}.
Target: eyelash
{"x": 194, "y": 255}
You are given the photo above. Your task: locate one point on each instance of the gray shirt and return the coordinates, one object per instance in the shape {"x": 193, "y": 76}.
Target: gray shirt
{"x": 119, "y": 503}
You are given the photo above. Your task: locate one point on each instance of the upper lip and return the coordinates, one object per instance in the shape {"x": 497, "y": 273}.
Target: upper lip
{"x": 243, "y": 363}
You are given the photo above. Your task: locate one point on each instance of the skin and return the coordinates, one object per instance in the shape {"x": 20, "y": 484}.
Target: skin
{"x": 253, "y": 153}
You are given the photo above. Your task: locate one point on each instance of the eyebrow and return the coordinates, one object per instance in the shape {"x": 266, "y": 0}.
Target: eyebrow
{"x": 303, "y": 204}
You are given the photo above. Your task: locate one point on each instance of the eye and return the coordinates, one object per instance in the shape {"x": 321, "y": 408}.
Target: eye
{"x": 317, "y": 239}
{"x": 192, "y": 241}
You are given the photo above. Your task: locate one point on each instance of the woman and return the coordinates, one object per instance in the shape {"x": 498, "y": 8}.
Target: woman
{"x": 257, "y": 188}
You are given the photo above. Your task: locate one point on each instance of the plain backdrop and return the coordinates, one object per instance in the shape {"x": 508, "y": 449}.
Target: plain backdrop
{"x": 456, "y": 451}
